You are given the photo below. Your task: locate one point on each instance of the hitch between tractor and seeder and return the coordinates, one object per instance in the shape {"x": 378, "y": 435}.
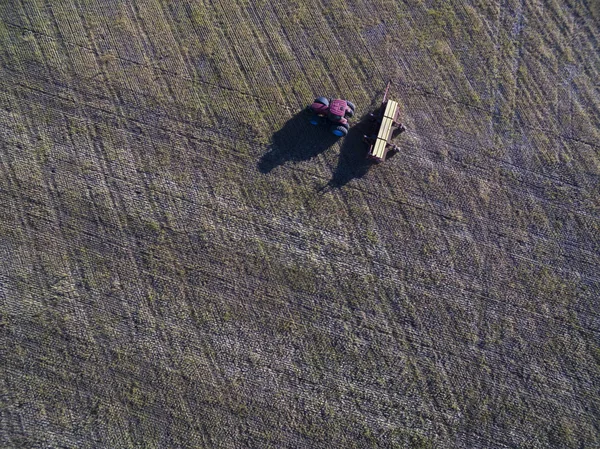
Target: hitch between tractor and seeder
{"x": 384, "y": 122}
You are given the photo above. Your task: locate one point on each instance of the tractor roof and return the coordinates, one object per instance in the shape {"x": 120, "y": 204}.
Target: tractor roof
{"x": 338, "y": 107}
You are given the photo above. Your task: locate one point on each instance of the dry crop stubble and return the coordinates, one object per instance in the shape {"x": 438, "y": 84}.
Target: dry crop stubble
{"x": 159, "y": 289}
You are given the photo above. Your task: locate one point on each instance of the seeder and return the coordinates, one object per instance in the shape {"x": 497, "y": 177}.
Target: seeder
{"x": 384, "y": 121}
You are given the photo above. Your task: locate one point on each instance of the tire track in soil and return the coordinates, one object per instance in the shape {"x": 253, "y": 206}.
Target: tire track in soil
{"x": 232, "y": 54}
{"x": 338, "y": 47}
{"x": 24, "y": 217}
{"x": 295, "y": 67}
{"x": 393, "y": 267}
{"x": 420, "y": 92}
{"x": 163, "y": 71}
{"x": 192, "y": 71}
{"x": 242, "y": 62}
{"x": 52, "y": 187}
{"x": 97, "y": 144}
{"x": 413, "y": 204}
{"x": 306, "y": 50}
{"x": 39, "y": 269}
{"x": 170, "y": 92}
{"x": 265, "y": 49}
{"x": 391, "y": 318}
{"x": 225, "y": 279}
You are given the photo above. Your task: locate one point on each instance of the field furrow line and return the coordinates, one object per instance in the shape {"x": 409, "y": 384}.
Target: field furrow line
{"x": 412, "y": 204}
{"x": 167, "y": 72}
{"x": 425, "y": 346}
{"x": 224, "y": 279}
{"x": 419, "y": 92}
{"x": 378, "y": 261}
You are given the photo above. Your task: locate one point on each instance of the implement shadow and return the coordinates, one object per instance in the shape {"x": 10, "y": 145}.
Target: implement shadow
{"x": 298, "y": 140}
{"x": 353, "y": 162}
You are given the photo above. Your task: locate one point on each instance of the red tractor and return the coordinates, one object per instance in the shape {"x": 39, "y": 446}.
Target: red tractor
{"x": 333, "y": 113}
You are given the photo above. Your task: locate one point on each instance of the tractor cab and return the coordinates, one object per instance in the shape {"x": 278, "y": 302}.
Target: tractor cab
{"x": 337, "y": 110}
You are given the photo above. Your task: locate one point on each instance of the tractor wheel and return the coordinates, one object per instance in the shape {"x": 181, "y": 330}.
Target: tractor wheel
{"x": 351, "y": 105}
{"x": 350, "y": 113}
{"x": 339, "y": 130}
{"x": 314, "y": 121}
{"x": 322, "y": 100}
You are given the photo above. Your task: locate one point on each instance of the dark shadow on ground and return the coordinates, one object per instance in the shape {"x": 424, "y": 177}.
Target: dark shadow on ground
{"x": 298, "y": 140}
{"x": 352, "y": 162}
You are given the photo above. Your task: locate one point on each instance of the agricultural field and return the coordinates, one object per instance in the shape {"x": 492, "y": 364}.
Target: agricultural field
{"x": 186, "y": 263}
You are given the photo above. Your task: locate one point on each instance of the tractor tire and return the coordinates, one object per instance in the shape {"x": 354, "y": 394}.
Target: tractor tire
{"x": 339, "y": 130}
{"x": 350, "y": 113}
{"x": 322, "y": 100}
{"x": 314, "y": 121}
{"x": 351, "y": 105}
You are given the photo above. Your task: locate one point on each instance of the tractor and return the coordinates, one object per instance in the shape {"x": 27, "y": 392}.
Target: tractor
{"x": 333, "y": 113}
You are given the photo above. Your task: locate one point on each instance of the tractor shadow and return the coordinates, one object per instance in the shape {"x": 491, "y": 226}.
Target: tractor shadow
{"x": 298, "y": 140}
